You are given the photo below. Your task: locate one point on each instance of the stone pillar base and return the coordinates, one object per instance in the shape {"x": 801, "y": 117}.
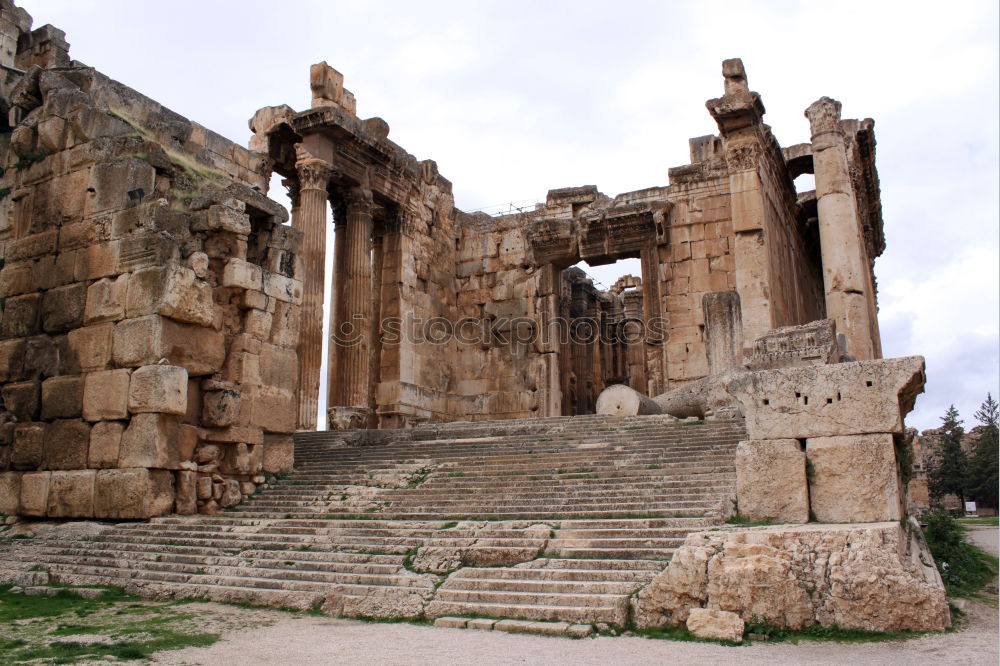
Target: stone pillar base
{"x": 346, "y": 418}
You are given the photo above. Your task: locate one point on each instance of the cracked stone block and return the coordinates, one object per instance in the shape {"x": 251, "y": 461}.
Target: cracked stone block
{"x": 158, "y": 388}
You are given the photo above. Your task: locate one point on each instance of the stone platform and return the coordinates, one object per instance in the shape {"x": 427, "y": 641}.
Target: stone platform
{"x": 557, "y": 519}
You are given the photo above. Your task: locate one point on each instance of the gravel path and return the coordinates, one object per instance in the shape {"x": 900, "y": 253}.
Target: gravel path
{"x": 984, "y": 536}
{"x": 317, "y": 640}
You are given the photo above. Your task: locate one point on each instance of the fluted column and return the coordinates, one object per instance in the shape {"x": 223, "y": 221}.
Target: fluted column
{"x": 335, "y": 388}
{"x": 357, "y": 298}
{"x": 842, "y": 246}
{"x": 310, "y": 218}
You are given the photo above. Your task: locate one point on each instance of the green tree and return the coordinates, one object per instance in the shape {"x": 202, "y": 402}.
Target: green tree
{"x": 950, "y": 471}
{"x": 983, "y": 463}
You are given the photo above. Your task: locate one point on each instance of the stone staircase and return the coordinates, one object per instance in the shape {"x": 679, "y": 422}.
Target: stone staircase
{"x": 543, "y": 520}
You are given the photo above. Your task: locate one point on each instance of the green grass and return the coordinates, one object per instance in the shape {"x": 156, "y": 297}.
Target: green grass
{"x": 982, "y": 520}
{"x": 127, "y": 630}
{"x": 782, "y": 635}
{"x": 965, "y": 569}
{"x": 671, "y": 633}
{"x": 819, "y": 633}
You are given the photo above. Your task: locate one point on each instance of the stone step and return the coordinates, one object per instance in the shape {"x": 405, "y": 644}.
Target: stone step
{"x": 541, "y": 586}
{"x": 615, "y": 613}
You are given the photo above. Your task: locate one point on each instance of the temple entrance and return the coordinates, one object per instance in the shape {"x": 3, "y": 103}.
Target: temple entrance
{"x": 602, "y": 312}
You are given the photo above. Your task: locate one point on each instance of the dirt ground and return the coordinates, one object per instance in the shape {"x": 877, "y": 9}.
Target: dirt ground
{"x": 317, "y": 640}
{"x": 984, "y": 536}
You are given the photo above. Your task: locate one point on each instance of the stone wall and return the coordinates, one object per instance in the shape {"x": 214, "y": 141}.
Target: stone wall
{"x": 729, "y": 221}
{"x": 149, "y": 293}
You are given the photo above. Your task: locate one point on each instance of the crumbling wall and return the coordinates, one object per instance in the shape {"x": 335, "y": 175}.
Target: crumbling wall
{"x": 149, "y": 295}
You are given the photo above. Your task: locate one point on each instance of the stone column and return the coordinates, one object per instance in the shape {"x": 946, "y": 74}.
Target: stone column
{"x": 310, "y": 218}
{"x": 841, "y": 240}
{"x": 335, "y": 388}
{"x": 357, "y": 310}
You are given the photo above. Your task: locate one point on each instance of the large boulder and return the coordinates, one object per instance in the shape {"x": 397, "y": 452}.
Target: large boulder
{"x": 872, "y": 577}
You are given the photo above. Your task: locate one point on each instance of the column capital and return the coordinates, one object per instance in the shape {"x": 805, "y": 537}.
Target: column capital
{"x": 824, "y": 116}
{"x": 358, "y": 197}
{"x": 314, "y": 174}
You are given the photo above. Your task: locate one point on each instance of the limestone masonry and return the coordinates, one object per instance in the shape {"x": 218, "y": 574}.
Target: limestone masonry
{"x": 507, "y": 442}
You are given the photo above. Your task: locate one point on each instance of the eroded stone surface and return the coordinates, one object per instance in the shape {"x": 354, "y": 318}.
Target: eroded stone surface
{"x": 876, "y": 577}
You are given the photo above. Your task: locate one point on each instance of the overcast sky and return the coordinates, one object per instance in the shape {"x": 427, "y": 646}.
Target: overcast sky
{"x": 515, "y": 98}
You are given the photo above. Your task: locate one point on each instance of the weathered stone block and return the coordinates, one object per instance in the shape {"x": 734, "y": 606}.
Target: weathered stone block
{"x": 285, "y": 324}
{"x": 820, "y": 401}
{"x": 278, "y": 454}
{"x": 62, "y": 397}
{"x": 174, "y": 292}
{"x": 34, "y": 245}
{"x": 187, "y": 493}
{"x": 22, "y": 399}
{"x": 282, "y": 288}
{"x": 278, "y": 367}
{"x": 814, "y": 343}
{"x": 231, "y": 495}
{"x": 105, "y": 395}
{"x": 771, "y": 481}
{"x": 274, "y": 409}
{"x": 258, "y": 324}
{"x": 204, "y": 487}
{"x": 11, "y": 360}
{"x": 35, "y": 493}
{"x": 105, "y": 444}
{"x": 145, "y": 289}
{"x": 28, "y": 449}
{"x": 187, "y": 442}
{"x": 133, "y": 493}
{"x": 716, "y": 624}
{"x": 97, "y": 261}
{"x": 222, "y": 218}
{"x": 71, "y": 494}
{"x": 242, "y": 274}
{"x": 10, "y": 493}
{"x": 111, "y": 183}
{"x": 62, "y": 308}
{"x": 90, "y": 346}
{"x": 16, "y": 280}
{"x": 106, "y": 300}
{"x": 220, "y": 407}
{"x": 66, "y": 444}
{"x": 144, "y": 341}
{"x": 150, "y": 441}
{"x": 158, "y": 388}
{"x": 854, "y": 479}
{"x": 235, "y": 434}
{"x": 20, "y": 316}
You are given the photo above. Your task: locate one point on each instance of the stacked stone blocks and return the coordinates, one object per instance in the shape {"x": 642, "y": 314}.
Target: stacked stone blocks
{"x": 149, "y": 296}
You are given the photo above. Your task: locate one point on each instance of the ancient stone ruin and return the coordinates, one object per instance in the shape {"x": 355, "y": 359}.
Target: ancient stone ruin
{"x": 507, "y": 441}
